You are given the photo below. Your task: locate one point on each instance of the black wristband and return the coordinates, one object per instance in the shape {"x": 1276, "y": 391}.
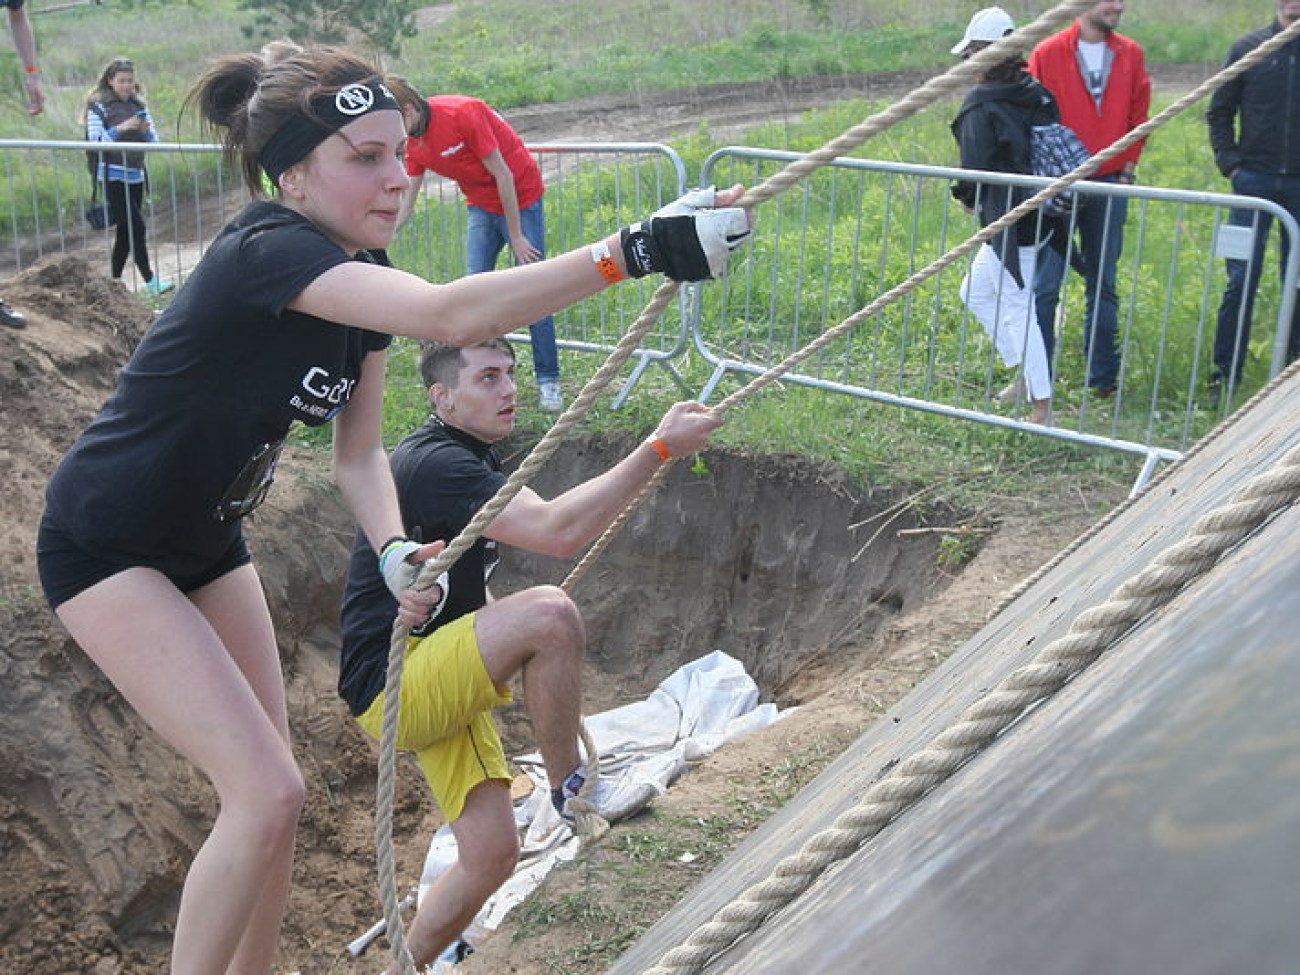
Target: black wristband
{"x": 396, "y": 538}
{"x": 639, "y": 252}
{"x": 670, "y": 244}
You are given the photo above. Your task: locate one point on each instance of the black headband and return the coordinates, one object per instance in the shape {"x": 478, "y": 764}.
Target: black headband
{"x": 303, "y": 133}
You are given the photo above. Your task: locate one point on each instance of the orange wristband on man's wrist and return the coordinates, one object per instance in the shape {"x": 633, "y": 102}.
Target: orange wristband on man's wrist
{"x": 32, "y": 69}
{"x": 660, "y": 448}
{"x": 605, "y": 263}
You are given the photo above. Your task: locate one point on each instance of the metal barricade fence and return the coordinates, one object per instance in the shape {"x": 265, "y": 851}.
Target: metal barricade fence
{"x": 591, "y": 190}
{"x": 857, "y": 228}
{"x": 48, "y": 188}
{"x": 821, "y": 251}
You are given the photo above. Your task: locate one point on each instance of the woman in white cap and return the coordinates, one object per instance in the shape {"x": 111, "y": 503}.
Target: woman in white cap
{"x": 993, "y": 133}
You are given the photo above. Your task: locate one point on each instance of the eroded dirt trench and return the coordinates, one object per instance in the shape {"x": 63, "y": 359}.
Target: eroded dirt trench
{"x": 765, "y": 558}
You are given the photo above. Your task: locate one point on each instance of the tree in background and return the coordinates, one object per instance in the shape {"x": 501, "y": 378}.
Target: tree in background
{"x": 382, "y": 22}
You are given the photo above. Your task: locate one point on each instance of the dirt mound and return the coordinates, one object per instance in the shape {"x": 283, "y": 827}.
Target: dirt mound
{"x": 100, "y": 818}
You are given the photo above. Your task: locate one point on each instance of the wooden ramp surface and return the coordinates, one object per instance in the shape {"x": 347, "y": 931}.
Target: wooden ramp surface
{"x": 1146, "y": 819}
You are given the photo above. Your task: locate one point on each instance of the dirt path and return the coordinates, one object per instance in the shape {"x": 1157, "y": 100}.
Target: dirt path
{"x": 729, "y": 109}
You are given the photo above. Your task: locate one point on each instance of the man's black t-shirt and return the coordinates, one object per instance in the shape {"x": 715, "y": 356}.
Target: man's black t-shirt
{"x": 443, "y": 476}
{"x": 188, "y": 442}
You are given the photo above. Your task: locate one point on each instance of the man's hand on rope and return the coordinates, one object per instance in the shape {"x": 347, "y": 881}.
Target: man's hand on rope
{"x": 690, "y": 239}
{"x": 685, "y": 429}
{"x": 400, "y": 562}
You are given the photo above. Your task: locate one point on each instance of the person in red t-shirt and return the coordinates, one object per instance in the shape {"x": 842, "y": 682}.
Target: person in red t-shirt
{"x": 464, "y": 139}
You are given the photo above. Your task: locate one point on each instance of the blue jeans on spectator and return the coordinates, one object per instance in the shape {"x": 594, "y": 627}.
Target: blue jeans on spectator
{"x": 488, "y": 234}
{"x": 1100, "y": 239}
{"x": 1232, "y": 331}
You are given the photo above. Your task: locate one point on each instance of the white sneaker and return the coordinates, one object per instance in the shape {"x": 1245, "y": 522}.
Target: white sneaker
{"x": 612, "y": 798}
{"x": 549, "y": 395}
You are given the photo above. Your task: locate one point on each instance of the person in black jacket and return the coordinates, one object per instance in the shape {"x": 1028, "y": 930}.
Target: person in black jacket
{"x": 992, "y": 130}
{"x": 1254, "y": 123}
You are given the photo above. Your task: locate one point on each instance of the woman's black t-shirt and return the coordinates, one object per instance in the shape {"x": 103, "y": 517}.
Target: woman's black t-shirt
{"x": 187, "y": 444}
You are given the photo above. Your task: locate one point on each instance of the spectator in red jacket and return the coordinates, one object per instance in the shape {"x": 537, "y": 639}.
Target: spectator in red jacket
{"x": 1100, "y": 81}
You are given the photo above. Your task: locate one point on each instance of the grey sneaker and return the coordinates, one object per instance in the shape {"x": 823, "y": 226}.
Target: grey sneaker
{"x": 549, "y": 395}
{"x": 11, "y": 317}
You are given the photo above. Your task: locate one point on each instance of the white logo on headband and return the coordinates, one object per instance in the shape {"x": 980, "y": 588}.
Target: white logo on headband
{"x": 354, "y": 99}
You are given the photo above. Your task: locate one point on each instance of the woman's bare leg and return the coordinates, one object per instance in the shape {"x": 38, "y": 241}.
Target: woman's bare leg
{"x": 249, "y": 636}
{"x": 170, "y": 663}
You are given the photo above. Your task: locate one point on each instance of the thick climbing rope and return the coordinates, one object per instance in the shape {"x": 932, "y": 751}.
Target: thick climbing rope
{"x": 1102, "y": 523}
{"x": 1091, "y": 634}
{"x": 955, "y": 78}
{"x": 931, "y": 91}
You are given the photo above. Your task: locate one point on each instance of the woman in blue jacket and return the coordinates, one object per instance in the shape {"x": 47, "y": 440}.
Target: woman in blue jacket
{"x": 116, "y": 112}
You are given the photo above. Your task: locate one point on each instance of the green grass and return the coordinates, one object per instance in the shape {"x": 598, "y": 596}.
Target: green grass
{"x": 510, "y": 51}
{"x": 513, "y": 52}
{"x": 875, "y": 444}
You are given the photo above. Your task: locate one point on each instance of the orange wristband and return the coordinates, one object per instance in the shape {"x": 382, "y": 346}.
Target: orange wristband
{"x": 660, "y": 448}
{"x": 606, "y": 264}
{"x": 32, "y": 69}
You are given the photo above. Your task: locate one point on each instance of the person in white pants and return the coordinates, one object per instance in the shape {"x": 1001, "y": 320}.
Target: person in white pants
{"x": 1005, "y": 308}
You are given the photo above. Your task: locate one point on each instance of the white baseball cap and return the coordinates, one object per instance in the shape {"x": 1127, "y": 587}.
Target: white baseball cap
{"x": 988, "y": 25}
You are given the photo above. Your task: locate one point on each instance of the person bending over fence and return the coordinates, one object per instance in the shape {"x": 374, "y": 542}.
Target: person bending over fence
{"x": 992, "y": 130}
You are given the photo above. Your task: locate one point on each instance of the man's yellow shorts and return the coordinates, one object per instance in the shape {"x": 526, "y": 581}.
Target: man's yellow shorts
{"x": 446, "y": 714}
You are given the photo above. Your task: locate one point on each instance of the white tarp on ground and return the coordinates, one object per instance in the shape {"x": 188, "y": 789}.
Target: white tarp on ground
{"x": 644, "y": 747}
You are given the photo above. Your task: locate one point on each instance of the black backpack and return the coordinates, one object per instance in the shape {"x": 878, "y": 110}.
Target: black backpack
{"x": 93, "y": 156}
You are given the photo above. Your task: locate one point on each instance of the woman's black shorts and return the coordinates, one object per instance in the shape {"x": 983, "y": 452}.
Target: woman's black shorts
{"x": 68, "y": 569}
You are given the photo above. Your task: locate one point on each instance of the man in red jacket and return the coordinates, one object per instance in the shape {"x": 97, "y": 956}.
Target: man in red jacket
{"x": 1100, "y": 81}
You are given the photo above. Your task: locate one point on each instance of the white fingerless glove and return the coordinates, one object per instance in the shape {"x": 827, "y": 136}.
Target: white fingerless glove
{"x": 400, "y": 574}
{"x": 688, "y": 240}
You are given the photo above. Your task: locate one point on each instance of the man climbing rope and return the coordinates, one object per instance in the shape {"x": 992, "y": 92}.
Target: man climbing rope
{"x": 459, "y": 662}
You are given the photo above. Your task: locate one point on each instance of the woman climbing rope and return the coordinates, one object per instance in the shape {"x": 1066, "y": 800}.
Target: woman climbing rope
{"x": 287, "y": 317}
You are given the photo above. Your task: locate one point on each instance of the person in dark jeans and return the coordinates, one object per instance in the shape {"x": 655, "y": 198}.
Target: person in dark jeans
{"x": 1254, "y": 123}
{"x": 116, "y": 113}
{"x": 1100, "y": 81}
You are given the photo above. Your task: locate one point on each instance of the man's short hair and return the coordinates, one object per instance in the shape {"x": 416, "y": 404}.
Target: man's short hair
{"x": 442, "y": 363}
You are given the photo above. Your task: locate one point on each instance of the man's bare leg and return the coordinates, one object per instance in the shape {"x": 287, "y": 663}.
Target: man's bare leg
{"x": 487, "y": 844}
{"x": 540, "y": 632}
